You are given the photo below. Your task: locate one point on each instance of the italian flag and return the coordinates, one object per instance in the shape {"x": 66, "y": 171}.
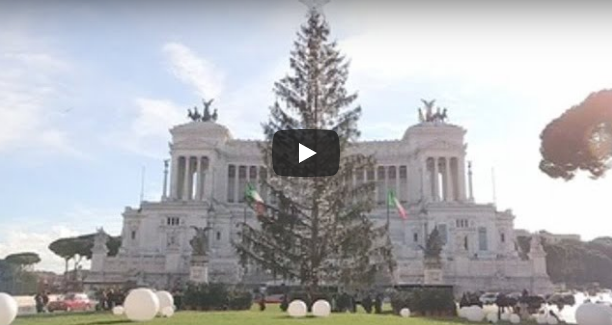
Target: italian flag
{"x": 392, "y": 201}
{"x": 254, "y": 198}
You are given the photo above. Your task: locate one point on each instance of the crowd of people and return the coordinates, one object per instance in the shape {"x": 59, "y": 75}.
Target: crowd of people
{"x": 524, "y": 305}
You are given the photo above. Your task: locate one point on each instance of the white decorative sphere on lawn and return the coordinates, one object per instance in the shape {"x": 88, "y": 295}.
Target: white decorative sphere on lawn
{"x": 141, "y": 305}
{"x": 462, "y": 312}
{"x": 550, "y": 320}
{"x": 8, "y": 309}
{"x": 321, "y": 308}
{"x": 505, "y": 317}
{"x": 167, "y": 311}
{"x": 515, "y": 319}
{"x": 594, "y": 314}
{"x": 405, "y": 312}
{"x": 118, "y": 310}
{"x": 297, "y": 308}
{"x": 492, "y": 318}
{"x": 475, "y": 314}
{"x": 165, "y": 300}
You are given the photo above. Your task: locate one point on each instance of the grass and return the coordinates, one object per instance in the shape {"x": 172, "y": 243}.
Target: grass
{"x": 272, "y": 316}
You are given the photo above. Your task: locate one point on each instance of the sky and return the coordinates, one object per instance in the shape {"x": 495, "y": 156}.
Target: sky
{"x": 89, "y": 89}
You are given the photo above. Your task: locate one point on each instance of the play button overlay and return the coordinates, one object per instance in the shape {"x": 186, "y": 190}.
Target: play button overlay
{"x": 306, "y": 153}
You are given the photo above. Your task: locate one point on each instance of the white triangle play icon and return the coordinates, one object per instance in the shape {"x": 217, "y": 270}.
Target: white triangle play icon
{"x": 304, "y": 153}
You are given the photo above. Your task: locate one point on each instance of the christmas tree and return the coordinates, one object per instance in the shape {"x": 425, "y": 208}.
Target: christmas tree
{"x": 315, "y": 230}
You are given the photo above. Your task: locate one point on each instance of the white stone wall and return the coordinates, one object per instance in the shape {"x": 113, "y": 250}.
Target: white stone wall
{"x": 204, "y": 158}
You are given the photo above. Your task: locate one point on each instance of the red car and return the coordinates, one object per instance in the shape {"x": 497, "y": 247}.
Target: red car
{"x": 71, "y": 302}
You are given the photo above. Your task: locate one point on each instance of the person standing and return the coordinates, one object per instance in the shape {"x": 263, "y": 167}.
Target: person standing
{"x": 38, "y": 300}
{"x": 45, "y": 300}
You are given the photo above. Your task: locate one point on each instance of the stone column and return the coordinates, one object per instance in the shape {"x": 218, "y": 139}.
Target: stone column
{"x": 423, "y": 188}
{"x": 165, "y": 188}
{"x": 236, "y": 183}
{"x": 174, "y": 176}
{"x": 461, "y": 178}
{"x": 248, "y": 175}
{"x": 471, "y": 197}
{"x": 376, "y": 184}
{"x": 436, "y": 180}
{"x": 257, "y": 184}
{"x": 187, "y": 179}
{"x": 449, "y": 181}
{"x": 199, "y": 178}
{"x": 208, "y": 178}
{"x": 400, "y": 192}
{"x": 386, "y": 168}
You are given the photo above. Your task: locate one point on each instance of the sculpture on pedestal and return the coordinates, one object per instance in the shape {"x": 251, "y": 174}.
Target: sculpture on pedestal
{"x": 536, "y": 245}
{"x": 433, "y": 258}
{"x": 199, "y": 242}
{"x": 441, "y": 115}
{"x": 206, "y": 116}
{"x": 206, "y": 104}
{"x": 198, "y": 272}
{"x": 100, "y": 240}
{"x": 194, "y": 115}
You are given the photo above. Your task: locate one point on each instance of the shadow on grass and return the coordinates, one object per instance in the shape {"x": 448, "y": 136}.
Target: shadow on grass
{"x": 107, "y": 322}
{"x": 449, "y": 320}
{"x": 384, "y": 314}
{"x": 60, "y": 314}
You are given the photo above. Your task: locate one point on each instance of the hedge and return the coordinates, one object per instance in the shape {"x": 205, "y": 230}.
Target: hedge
{"x": 425, "y": 302}
{"x": 216, "y": 296}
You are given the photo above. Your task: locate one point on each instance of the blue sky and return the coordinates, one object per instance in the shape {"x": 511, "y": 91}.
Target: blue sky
{"x": 88, "y": 91}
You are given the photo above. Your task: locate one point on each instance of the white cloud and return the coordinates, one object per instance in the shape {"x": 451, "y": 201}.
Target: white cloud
{"x": 151, "y": 119}
{"x": 510, "y": 80}
{"x": 148, "y": 131}
{"x": 543, "y": 57}
{"x": 28, "y": 87}
{"x": 18, "y": 240}
{"x": 194, "y": 70}
{"x": 246, "y": 107}
{"x": 539, "y": 202}
{"x": 31, "y": 236}
{"x": 155, "y": 117}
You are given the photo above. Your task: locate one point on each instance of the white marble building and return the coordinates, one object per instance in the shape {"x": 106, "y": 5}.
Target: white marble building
{"x": 209, "y": 170}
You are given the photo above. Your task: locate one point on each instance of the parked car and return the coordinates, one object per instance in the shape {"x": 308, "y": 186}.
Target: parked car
{"x": 488, "y": 298}
{"x": 71, "y": 302}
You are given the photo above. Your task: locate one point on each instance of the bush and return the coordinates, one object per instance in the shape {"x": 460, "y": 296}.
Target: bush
{"x": 216, "y": 296}
{"x": 425, "y": 301}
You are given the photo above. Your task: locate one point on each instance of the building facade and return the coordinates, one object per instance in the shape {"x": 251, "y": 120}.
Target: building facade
{"x": 204, "y": 184}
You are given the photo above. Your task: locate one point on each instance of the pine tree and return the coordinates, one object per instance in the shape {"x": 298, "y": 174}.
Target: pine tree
{"x": 317, "y": 231}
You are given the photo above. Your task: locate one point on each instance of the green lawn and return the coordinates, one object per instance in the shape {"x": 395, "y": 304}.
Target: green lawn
{"x": 272, "y": 316}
